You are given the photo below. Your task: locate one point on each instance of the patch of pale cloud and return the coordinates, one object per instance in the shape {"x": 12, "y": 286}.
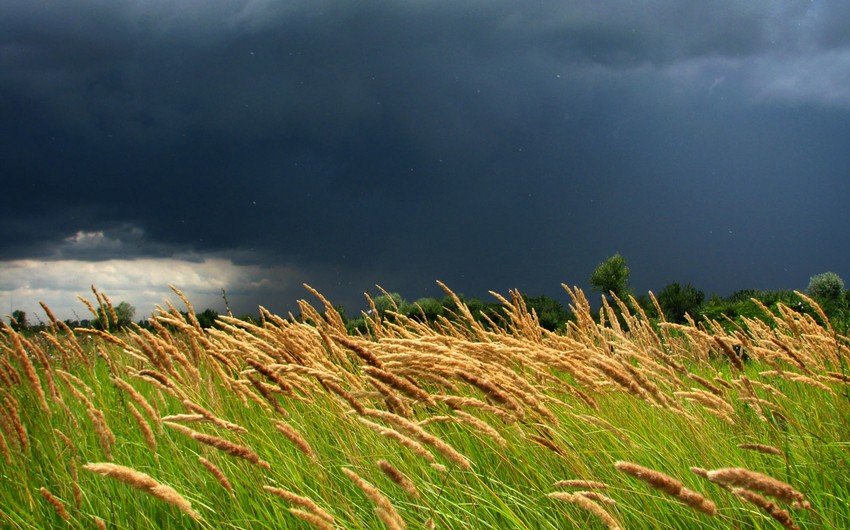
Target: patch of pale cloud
{"x": 141, "y": 282}
{"x": 822, "y": 79}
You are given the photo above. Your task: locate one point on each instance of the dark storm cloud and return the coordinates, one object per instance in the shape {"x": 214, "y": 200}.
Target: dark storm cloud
{"x": 491, "y": 144}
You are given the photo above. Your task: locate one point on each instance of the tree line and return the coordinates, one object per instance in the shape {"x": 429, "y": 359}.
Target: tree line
{"x": 678, "y": 301}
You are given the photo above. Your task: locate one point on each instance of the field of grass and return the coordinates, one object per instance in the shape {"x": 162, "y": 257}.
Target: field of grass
{"x": 451, "y": 425}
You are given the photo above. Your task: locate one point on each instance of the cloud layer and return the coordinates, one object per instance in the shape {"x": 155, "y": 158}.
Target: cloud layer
{"x": 488, "y": 144}
{"x": 141, "y": 282}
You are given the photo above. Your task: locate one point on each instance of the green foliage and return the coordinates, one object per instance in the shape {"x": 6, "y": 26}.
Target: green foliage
{"x": 740, "y": 305}
{"x": 612, "y": 276}
{"x": 19, "y": 320}
{"x": 206, "y": 318}
{"x": 676, "y": 300}
{"x": 550, "y": 312}
{"x": 389, "y": 302}
{"x": 828, "y": 289}
{"x": 430, "y": 308}
{"x": 827, "y": 286}
{"x": 125, "y": 313}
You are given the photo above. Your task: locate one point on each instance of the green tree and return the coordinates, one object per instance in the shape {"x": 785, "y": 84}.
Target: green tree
{"x": 676, "y": 300}
{"x": 206, "y": 318}
{"x": 390, "y": 302}
{"x": 549, "y": 311}
{"x": 125, "y": 313}
{"x": 430, "y": 307}
{"x": 19, "y": 320}
{"x": 612, "y": 276}
{"x": 826, "y": 287}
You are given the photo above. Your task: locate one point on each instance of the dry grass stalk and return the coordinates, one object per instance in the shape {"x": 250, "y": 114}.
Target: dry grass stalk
{"x": 29, "y": 369}
{"x": 399, "y": 478}
{"x": 668, "y": 485}
{"x": 344, "y": 394}
{"x": 99, "y": 523}
{"x": 838, "y": 377}
{"x": 579, "y": 483}
{"x": 724, "y": 383}
{"x": 75, "y": 483}
{"x": 422, "y": 435}
{"x": 597, "y": 496}
{"x": 700, "y": 472}
{"x": 72, "y": 380}
{"x": 147, "y": 432}
{"x": 790, "y": 354}
{"x": 707, "y": 385}
{"x": 588, "y": 505}
{"x": 235, "y": 450}
{"x": 730, "y": 353}
{"x": 4, "y": 448}
{"x": 98, "y": 420}
{"x": 614, "y": 371}
{"x": 66, "y": 440}
{"x": 762, "y": 448}
{"x": 456, "y": 402}
{"x": 491, "y": 390}
{"x": 774, "y": 511}
{"x": 547, "y": 443}
{"x": 268, "y": 392}
{"x": 752, "y": 480}
{"x": 268, "y": 373}
{"x": 800, "y": 378}
{"x": 311, "y": 518}
{"x": 47, "y": 369}
{"x": 361, "y": 352}
{"x": 393, "y": 400}
{"x": 384, "y": 508}
{"x": 300, "y": 500}
{"x": 224, "y": 424}
{"x": 11, "y": 412}
{"x": 145, "y": 483}
{"x": 482, "y": 426}
{"x": 57, "y": 504}
{"x": 437, "y": 419}
{"x": 137, "y": 397}
{"x": 185, "y": 418}
{"x": 217, "y": 473}
{"x": 9, "y": 373}
{"x": 295, "y": 437}
{"x": 388, "y": 432}
{"x": 157, "y": 384}
{"x": 709, "y": 400}
{"x": 402, "y": 385}
{"x": 599, "y": 422}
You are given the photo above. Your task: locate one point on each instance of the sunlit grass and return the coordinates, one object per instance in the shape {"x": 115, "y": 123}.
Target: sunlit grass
{"x": 551, "y": 436}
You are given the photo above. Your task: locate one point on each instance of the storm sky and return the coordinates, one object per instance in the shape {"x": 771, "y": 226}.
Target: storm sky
{"x": 256, "y": 145}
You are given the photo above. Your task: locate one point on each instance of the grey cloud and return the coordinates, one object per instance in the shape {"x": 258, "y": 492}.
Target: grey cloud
{"x": 402, "y": 142}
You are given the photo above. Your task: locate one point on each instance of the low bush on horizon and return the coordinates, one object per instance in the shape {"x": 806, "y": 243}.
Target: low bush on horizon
{"x": 617, "y": 422}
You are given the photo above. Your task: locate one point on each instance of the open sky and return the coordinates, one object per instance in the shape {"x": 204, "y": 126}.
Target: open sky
{"x": 254, "y": 145}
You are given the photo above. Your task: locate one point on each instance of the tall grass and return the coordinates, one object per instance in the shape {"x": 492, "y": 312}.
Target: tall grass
{"x": 623, "y": 423}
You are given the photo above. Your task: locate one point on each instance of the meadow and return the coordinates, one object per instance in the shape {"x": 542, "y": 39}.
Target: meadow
{"x": 618, "y": 422}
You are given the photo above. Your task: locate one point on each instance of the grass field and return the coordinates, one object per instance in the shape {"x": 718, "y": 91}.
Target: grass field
{"x": 450, "y": 425}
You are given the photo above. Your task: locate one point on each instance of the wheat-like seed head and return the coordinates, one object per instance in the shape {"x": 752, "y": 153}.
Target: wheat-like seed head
{"x": 752, "y": 480}
{"x": 57, "y": 504}
{"x": 589, "y": 505}
{"x": 144, "y": 482}
{"x": 399, "y": 478}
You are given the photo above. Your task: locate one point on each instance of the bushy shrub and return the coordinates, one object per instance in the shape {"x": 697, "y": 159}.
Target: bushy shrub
{"x": 826, "y": 287}
{"x": 676, "y": 300}
{"x": 611, "y": 276}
